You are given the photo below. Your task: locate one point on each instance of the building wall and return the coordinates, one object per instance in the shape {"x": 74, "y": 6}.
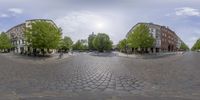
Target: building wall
{"x": 16, "y": 34}
{"x": 17, "y": 37}
{"x": 165, "y": 38}
{"x": 169, "y": 40}
{"x": 155, "y": 31}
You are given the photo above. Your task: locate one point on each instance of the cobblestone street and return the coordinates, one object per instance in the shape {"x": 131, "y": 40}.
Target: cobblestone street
{"x": 89, "y": 77}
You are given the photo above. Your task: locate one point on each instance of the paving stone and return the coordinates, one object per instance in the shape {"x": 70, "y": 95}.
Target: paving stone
{"x": 78, "y": 74}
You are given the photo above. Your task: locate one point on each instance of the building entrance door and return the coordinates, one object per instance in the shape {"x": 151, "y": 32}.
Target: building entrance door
{"x": 169, "y": 48}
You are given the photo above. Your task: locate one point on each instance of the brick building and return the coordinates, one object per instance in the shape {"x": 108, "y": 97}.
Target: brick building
{"x": 169, "y": 40}
{"x": 166, "y": 40}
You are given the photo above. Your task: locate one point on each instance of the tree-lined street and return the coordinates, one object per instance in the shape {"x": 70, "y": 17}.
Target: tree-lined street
{"x": 99, "y": 50}
{"x": 104, "y": 77}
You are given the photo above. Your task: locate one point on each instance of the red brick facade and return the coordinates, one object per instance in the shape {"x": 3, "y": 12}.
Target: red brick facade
{"x": 166, "y": 39}
{"x": 169, "y": 39}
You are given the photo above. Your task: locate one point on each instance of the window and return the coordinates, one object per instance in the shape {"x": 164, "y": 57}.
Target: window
{"x": 156, "y": 36}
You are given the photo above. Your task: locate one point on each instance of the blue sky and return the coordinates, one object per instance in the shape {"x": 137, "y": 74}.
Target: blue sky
{"x": 79, "y": 18}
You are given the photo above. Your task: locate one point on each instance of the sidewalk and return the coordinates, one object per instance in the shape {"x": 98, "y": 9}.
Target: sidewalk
{"x": 147, "y": 56}
{"x": 120, "y": 54}
{"x": 53, "y": 57}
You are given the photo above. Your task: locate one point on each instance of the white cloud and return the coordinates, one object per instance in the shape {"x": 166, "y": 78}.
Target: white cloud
{"x": 11, "y": 12}
{"x": 187, "y": 11}
{"x": 15, "y": 10}
{"x": 79, "y": 25}
{"x": 4, "y": 16}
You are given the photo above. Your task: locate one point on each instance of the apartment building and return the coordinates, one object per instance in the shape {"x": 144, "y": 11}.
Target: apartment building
{"x": 16, "y": 35}
{"x": 166, "y": 40}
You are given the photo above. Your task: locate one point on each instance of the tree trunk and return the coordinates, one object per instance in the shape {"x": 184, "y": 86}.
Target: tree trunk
{"x": 48, "y": 50}
{"x": 142, "y": 50}
{"x": 42, "y": 50}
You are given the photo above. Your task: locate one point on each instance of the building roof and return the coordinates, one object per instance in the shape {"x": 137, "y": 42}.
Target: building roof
{"x": 31, "y": 20}
{"x": 15, "y": 27}
{"x": 138, "y": 24}
{"x": 161, "y": 26}
{"x": 39, "y": 19}
{"x": 43, "y": 20}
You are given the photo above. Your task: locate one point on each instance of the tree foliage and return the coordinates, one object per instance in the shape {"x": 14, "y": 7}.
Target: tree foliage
{"x": 90, "y": 41}
{"x": 43, "y": 35}
{"x": 80, "y": 45}
{"x": 196, "y": 46}
{"x": 102, "y": 42}
{"x": 5, "y": 42}
{"x": 122, "y": 45}
{"x": 140, "y": 37}
{"x": 66, "y": 43}
{"x": 184, "y": 47}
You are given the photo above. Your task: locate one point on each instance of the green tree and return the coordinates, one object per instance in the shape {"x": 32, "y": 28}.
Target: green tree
{"x": 5, "y": 42}
{"x": 141, "y": 38}
{"x": 184, "y": 47}
{"x": 122, "y": 45}
{"x": 196, "y": 46}
{"x": 80, "y": 45}
{"x": 43, "y": 35}
{"x": 66, "y": 44}
{"x": 102, "y": 42}
{"x": 90, "y": 41}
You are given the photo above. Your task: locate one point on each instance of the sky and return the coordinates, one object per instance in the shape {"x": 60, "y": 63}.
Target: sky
{"x": 79, "y": 18}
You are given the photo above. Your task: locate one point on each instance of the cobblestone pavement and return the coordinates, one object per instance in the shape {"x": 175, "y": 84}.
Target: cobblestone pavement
{"x": 95, "y": 77}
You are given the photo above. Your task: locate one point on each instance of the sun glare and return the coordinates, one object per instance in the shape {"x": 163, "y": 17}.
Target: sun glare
{"x": 100, "y": 25}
